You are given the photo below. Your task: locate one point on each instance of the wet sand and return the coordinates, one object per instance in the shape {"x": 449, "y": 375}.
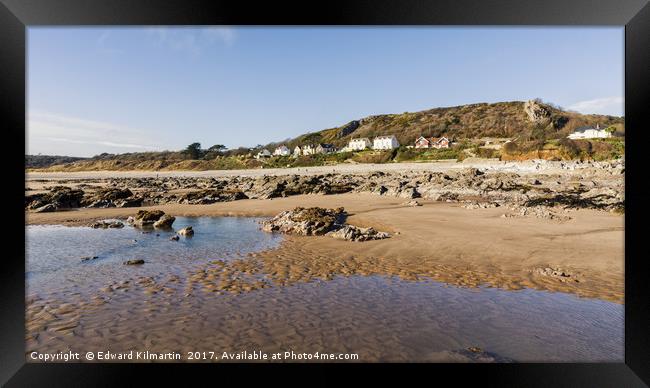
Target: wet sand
{"x": 440, "y": 241}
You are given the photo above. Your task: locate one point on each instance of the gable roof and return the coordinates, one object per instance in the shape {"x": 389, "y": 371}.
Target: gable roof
{"x": 438, "y": 139}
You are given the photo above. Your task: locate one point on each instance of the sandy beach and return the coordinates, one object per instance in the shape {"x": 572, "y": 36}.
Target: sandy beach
{"x": 499, "y": 258}
{"x": 441, "y": 241}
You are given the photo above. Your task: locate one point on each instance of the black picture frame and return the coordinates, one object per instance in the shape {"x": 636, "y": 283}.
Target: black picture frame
{"x": 17, "y": 15}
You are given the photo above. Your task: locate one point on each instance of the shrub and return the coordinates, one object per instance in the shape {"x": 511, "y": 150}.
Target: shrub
{"x": 510, "y": 148}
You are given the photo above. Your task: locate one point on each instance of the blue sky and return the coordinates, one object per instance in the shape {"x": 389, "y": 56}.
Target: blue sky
{"x": 94, "y": 90}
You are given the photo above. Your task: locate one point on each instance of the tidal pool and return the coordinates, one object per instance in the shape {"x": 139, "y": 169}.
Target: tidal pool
{"x": 380, "y": 318}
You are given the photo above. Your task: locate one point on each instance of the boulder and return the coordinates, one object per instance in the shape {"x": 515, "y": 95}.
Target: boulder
{"x": 145, "y": 217}
{"x": 165, "y": 221}
{"x": 186, "y": 231}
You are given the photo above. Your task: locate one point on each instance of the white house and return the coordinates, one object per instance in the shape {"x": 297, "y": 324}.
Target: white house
{"x": 588, "y": 132}
{"x": 308, "y": 150}
{"x": 297, "y": 151}
{"x": 385, "y": 142}
{"x": 359, "y": 144}
{"x": 282, "y": 151}
{"x": 325, "y": 149}
{"x": 263, "y": 154}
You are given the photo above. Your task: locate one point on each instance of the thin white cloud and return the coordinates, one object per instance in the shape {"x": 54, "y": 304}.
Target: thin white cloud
{"x": 44, "y": 127}
{"x": 219, "y": 34}
{"x": 103, "y": 143}
{"x": 191, "y": 40}
{"x": 607, "y": 106}
{"x": 102, "y": 47}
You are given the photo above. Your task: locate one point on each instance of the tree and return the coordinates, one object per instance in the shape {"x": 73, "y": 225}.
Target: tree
{"x": 193, "y": 151}
{"x": 218, "y": 148}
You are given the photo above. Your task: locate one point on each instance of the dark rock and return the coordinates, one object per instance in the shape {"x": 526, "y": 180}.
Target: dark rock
{"x": 134, "y": 262}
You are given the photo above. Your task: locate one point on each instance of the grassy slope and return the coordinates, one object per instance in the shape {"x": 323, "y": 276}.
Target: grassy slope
{"x": 503, "y": 119}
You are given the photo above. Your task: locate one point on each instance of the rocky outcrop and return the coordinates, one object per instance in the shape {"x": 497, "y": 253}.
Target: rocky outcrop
{"x": 107, "y": 225}
{"x": 102, "y": 204}
{"x": 60, "y": 197}
{"x": 306, "y": 221}
{"x": 316, "y": 221}
{"x": 145, "y": 218}
{"x": 348, "y": 129}
{"x": 355, "y": 233}
{"x": 46, "y": 208}
{"x": 130, "y": 202}
{"x": 536, "y": 183}
{"x": 207, "y": 196}
{"x": 109, "y": 197}
{"x": 537, "y": 113}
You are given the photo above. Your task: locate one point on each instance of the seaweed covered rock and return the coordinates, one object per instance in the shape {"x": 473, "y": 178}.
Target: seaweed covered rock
{"x": 306, "y": 221}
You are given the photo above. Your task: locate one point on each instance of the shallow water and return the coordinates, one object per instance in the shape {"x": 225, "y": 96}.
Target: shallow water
{"x": 54, "y": 253}
{"x": 380, "y": 318}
